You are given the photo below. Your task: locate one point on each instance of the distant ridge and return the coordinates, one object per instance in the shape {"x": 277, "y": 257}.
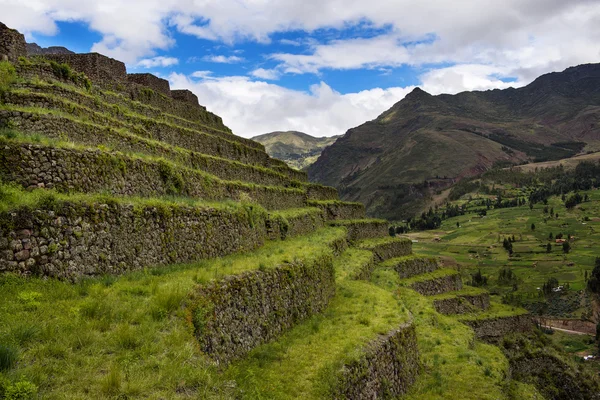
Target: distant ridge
{"x": 297, "y": 149}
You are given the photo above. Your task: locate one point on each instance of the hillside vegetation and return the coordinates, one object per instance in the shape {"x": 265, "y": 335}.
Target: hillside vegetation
{"x": 297, "y": 149}
{"x": 425, "y": 143}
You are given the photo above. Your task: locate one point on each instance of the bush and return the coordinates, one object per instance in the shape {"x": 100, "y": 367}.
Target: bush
{"x": 21, "y": 390}
{"x": 7, "y": 76}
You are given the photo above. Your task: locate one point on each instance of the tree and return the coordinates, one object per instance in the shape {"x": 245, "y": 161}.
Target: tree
{"x": 457, "y": 224}
{"x": 392, "y": 231}
{"x": 477, "y": 279}
{"x": 566, "y": 247}
{"x": 594, "y": 281}
{"x": 533, "y": 227}
{"x": 548, "y": 248}
{"x": 550, "y": 236}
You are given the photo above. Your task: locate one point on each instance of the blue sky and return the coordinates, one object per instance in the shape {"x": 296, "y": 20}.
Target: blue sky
{"x": 320, "y": 66}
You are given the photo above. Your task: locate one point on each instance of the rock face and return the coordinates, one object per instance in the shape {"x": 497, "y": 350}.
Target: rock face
{"x": 35, "y": 50}
{"x": 425, "y": 143}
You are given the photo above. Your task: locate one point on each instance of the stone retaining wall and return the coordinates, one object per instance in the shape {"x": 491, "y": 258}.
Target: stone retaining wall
{"x": 153, "y": 82}
{"x": 99, "y": 68}
{"x": 339, "y": 210}
{"x": 12, "y": 44}
{"x": 443, "y": 284}
{"x": 388, "y": 368}
{"x": 462, "y": 304}
{"x": 363, "y": 229}
{"x": 37, "y": 166}
{"x": 392, "y": 249}
{"x": 186, "y": 96}
{"x": 222, "y": 144}
{"x": 70, "y": 240}
{"x": 413, "y": 266}
{"x": 297, "y": 225}
{"x": 234, "y": 315}
{"x": 320, "y": 192}
{"x": 494, "y": 328}
{"x": 59, "y": 127}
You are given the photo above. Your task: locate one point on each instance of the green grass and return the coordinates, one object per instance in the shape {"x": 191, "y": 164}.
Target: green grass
{"x": 304, "y": 362}
{"x": 496, "y": 310}
{"x": 455, "y": 365}
{"x": 352, "y": 263}
{"x": 372, "y": 243}
{"x": 439, "y": 273}
{"x": 346, "y": 222}
{"x": 125, "y": 336}
{"x": 466, "y": 291}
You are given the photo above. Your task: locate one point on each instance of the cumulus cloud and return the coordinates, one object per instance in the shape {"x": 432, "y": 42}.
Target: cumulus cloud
{"x": 223, "y": 59}
{"x": 202, "y": 74}
{"x": 159, "y": 61}
{"x": 254, "y": 107}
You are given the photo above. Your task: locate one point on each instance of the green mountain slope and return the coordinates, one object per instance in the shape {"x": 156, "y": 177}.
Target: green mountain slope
{"x": 425, "y": 143}
{"x": 297, "y": 149}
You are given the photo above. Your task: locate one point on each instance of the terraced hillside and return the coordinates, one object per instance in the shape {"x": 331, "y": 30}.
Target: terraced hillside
{"x": 148, "y": 252}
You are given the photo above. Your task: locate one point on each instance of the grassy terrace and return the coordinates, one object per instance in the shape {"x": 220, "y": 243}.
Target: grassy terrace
{"x": 93, "y": 94}
{"x": 130, "y": 336}
{"x": 439, "y": 273}
{"x": 456, "y": 366}
{"x": 178, "y": 160}
{"x": 496, "y": 310}
{"x": 466, "y": 291}
{"x": 304, "y": 362}
{"x": 372, "y": 243}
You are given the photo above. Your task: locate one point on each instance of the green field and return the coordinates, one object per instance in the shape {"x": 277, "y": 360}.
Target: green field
{"x": 476, "y": 244}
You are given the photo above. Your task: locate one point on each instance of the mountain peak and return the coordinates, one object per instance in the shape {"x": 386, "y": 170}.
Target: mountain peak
{"x": 418, "y": 93}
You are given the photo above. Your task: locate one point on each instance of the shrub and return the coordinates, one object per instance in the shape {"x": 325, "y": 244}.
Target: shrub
{"x": 7, "y": 76}
{"x": 21, "y": 390}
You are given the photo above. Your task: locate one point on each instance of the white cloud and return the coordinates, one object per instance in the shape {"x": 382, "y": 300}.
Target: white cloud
{"x": 202, "y": 74}
{"x": 254, "y": 107}
{"x": 159, "y": 61}
{"x": 223, "y": 59}
{"x": 268, "y": 74}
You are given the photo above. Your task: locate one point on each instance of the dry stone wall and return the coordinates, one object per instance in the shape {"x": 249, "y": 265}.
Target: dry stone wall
{"x": 153, "y": 82}
{"x": 493, "y": 329}
{"x": 392, "y": 249}
{"x": 148, "y": 128}
{"x": 320, "y": 192}
{"x": 363, "y": 229}
{"x": 443, "y": 284}
{"x": 12, "y": 44}
{"x": 413, "y": 266}
{"x": 388, "y": 368}
{"x": 99, "y": 68}
{"x": 234, "y": 315}
{"x": 301, "y": 224}
{"x": 69, "y": 240}
{"x": 462, "y": 304}
{"x": 340, "y": 210}
{"x": 64, "y": 128}
{"x": 37, "y": 166}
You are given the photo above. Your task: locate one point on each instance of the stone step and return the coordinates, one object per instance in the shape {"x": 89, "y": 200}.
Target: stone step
{"x": 64, "y": 126}
{"x": 362, "y": 347}
{"x": 118, "y": 107}
{"x": 359, "y": 229}
{"x": 335, "y": 209}
{"x": 409, "y": 266}
{"x": 497, "y": 321}
{"x": 437, "y": 282}
{"x": 464, "y": 301}
{"x": 386, "y": 248}
{"x": 73, "y": 169}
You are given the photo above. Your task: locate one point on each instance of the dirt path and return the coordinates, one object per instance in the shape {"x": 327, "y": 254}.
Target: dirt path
{"x": 567, "y": 331}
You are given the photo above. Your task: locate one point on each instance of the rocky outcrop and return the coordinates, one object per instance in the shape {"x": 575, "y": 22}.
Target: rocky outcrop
{"x": 12, "y": 44}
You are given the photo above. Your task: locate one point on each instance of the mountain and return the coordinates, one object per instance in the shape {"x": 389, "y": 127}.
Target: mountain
{"x": 33, "y": 49}
{"x": 297, "y": 149}
{"x": 425, "y": 143}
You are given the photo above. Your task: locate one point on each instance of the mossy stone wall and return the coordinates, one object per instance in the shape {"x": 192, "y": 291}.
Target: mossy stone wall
{"x": 37, "y": 166}
{"x": 12, "y": 44}
{"x": 69, "y": 240}
{"x": 153, "y": 82}
{"x": 234, "y": 315}
{"x": 413, "y": 266}
{"x": 97, "y": 67}
{"x": 388, "y": 368}
{"x": 443, "y": 284}
{"x": 340, "y": 210}
{"x": 462, "y": 304}
{"x": 493, "y": 329}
